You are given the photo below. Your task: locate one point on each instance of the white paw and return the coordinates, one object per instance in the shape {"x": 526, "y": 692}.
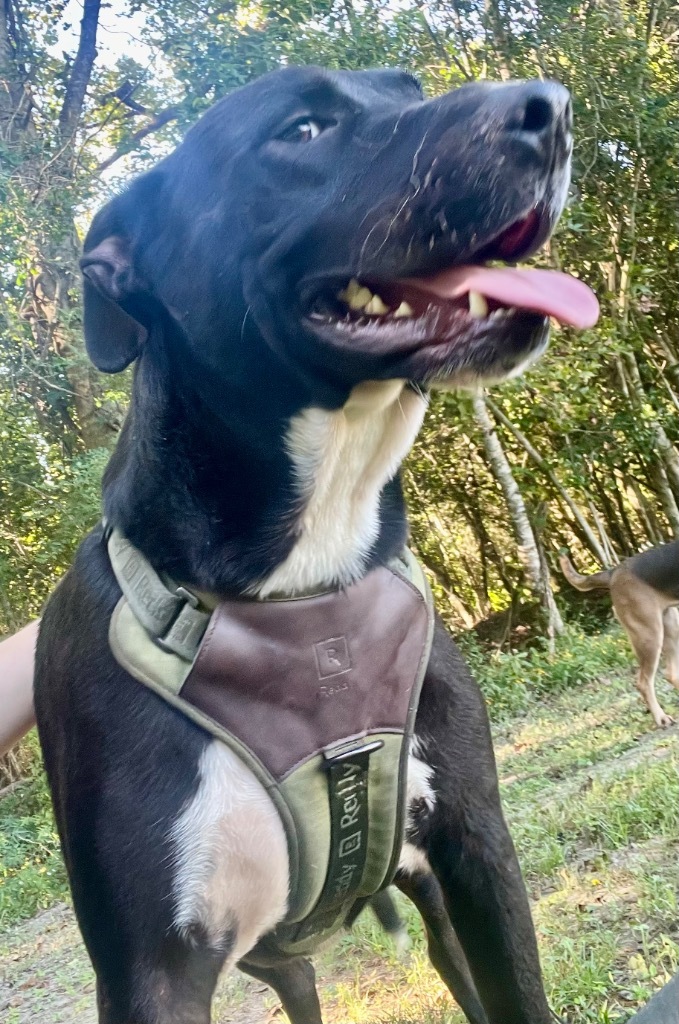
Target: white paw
{"x": 401, "y": 941}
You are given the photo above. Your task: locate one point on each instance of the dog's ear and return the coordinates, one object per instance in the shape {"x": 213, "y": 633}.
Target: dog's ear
{"x": 113, "y": 335}
{"x": 118, "y": 312}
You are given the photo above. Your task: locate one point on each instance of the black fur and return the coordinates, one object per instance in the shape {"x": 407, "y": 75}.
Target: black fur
{"x": 208, "y": 270}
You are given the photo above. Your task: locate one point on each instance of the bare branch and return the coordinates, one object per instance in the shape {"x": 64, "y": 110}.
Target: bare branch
{"x": 124, "y": 93}
{"x": 6, "y": 51}
{"x": 444, "y": 53}
{"x": 544, "y": 465}
{"x": 82, "y": 69}
{"x": 154, "y": 125}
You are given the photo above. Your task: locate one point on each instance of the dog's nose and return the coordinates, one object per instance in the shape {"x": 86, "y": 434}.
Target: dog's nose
{"x": 538, "y": 112}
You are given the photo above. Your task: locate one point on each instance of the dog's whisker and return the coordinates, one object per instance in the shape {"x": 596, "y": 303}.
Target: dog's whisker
{"x": 417, "y": 186}
{"x": 414, "y": 180}
{"x": 242, "y": 326}
{"x": 390, "y": 225}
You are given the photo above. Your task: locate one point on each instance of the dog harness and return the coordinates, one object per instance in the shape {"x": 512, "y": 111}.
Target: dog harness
{"x": 316, "y": 695}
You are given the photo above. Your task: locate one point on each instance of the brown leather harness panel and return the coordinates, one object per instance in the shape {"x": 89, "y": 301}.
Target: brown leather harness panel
{"x": 292, "y": 677}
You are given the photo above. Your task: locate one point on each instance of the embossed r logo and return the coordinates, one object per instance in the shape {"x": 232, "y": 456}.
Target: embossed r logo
{"x": 332, "y": 657}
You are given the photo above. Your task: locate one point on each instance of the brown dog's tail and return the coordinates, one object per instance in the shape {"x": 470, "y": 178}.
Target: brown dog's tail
{"x": 597, "y": 581}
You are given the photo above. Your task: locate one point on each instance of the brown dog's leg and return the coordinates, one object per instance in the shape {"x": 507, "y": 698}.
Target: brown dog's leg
{"x": 445, "y": 951}
{"x": 640, "y": 612}
{"x": 294, "y": 982}
{"x": 671, "y": 645}
{"x": 649, "y": 658}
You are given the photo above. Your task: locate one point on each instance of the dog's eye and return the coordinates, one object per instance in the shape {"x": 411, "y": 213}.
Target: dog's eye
{"x": 303, "y": 130}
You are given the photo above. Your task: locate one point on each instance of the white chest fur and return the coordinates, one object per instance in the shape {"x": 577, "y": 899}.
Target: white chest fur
{"x": 230, "y": 855}
{"x": 342, "y": 460}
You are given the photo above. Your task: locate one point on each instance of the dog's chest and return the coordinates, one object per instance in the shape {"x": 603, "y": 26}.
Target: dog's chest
{"x": 231, "y": 868}
{"x": 232, "y": 871}
{"x": 341, "y": 461}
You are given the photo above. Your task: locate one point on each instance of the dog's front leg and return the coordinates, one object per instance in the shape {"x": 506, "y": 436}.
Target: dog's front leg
{"x": 468, "y": 846}
{"x": 294, "y": 982}
{"x": 444, "y": 948}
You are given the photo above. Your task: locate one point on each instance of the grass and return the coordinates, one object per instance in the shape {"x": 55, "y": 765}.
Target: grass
{"x": 591, "y": 793}
{"x": 512, "y": 682}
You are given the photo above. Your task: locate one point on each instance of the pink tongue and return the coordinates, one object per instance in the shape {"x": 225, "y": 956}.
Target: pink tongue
{"x": 544, "y": 291}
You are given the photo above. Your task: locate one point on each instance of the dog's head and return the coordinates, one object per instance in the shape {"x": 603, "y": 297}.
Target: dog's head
{"x": 335, "y": 227}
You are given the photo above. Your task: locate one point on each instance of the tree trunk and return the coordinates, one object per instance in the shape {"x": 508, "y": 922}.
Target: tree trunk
{"x": 618, "y": 487}
{"x": 447, "y": 586}
{"x": 494, "y": 25}
{"x": 16, "y": 101}
{"x": 439, "y": 569}
{"x": 543, "y": 465}
{"x": 51, "y": 290}
{"x": 611, "y": 554}
{"x": 529, "y": 553}
{"x": 666, "y": 453}
{"x": 79, "y": 78}
{"x": 639, "y": 503}
{"x": 613, "y": 526}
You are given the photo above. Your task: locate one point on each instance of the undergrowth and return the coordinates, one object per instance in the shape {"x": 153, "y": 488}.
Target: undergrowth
{"x": 32, "y": 875}
{"x": 512, "y": 680}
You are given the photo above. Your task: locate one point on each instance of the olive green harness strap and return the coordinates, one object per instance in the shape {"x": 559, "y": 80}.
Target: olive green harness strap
{"x": 169, "y": 614}
{"x": 348, "y": 793}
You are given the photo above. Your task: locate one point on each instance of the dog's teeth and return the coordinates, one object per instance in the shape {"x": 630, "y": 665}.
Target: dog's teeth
{"x": 478, "y": 307}
{"x": 376, "y": 307}
{"x": 355, "y": 295}
{"x": 403, "y": 310}
{"x": 360, "y": 299}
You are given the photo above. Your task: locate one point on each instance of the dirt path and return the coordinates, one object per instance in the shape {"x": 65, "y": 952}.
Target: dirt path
{"x": 46, "y": 977}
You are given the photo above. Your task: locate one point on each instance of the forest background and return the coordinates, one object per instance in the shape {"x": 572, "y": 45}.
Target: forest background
{"x": 581, "y": 453}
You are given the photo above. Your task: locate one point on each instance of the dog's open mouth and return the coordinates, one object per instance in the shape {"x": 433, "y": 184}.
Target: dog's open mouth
{"x": 455, "y": 307}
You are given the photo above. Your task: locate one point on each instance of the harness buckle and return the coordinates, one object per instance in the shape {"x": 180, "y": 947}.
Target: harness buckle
{"x": 187, "y": 596}
{"x": 185, "y": 630}
{"x": 344, "y": 751}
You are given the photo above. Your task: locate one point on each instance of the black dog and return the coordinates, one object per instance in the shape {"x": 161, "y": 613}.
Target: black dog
{"x": 290, "y": 280}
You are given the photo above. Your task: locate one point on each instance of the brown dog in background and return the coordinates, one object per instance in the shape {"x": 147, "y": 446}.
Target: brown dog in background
{"x": 645, "y": 592}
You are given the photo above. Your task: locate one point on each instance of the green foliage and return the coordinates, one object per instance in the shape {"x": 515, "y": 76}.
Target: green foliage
{"x": 512, "y": 680}
{"x": 600, "y": 409}
{"x": 48, "y": 504}
{"x": 32, "y": 874}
